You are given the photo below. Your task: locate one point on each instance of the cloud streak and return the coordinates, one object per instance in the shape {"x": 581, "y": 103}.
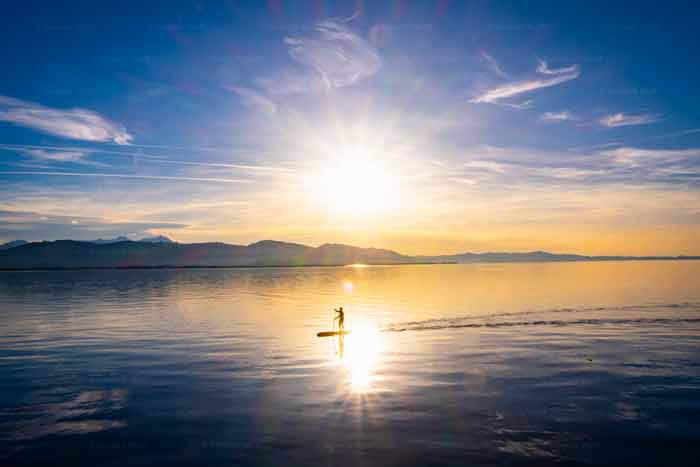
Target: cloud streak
{"x": 57, "y": 155}
{"x": 254, "y": 100}
{"x": 68, "y": 153}
{"x": 621, "y": 119}
{"x": 557, "y": 117}
{"x": 544, "y": 69}
{"x": 635, "y": 156}
{"x": 494, "y": 166}
{"x": 494, "y": 66}
{"x": 515, "y": 88}
{"x": 127, "y": 176}
{"x": 80, "y": 124}
{"x": 520, "y": 87}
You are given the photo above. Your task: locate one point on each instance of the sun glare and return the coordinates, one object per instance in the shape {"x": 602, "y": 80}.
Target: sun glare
{"x": 356, "y": 187}
{"x": 360, "y": 355}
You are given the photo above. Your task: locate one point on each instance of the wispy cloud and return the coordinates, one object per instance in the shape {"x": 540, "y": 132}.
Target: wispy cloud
{"x": 127, "y": 176}
{"x": 288, "y": 82}
{"x": 57, "y": 155}
{"x": 621, "y": 119}
{"x": 517, "y": 105}
{"x": 70, "y": 153}
{"x": 76, "y": 123}
{"x": 606, "y": 166}
{"x": 490, "y": 166}
{"x": 340, "y": 56}
{"x": 544, "y": 69}
{"x": 254, "y": 100}
{"x": 558, "y": 117}
{"x": 627, "y": 155}
{"x": 493, "y": 65}
{"x": 552, "y": 78}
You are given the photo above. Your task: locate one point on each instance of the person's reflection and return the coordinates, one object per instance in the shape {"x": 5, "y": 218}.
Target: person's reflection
{"x": 341, "y": 345}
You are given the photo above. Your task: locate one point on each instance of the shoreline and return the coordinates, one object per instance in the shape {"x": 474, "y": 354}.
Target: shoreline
{"x": 417, "y": 263}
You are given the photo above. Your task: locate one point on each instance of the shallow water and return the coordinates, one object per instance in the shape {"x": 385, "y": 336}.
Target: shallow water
{"x": 570, "y": 363}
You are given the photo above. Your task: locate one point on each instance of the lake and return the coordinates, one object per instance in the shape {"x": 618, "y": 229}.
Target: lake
{"x": 482, "y": 364}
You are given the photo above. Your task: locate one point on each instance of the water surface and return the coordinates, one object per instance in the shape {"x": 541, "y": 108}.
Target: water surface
{"x": 519, "y": 364}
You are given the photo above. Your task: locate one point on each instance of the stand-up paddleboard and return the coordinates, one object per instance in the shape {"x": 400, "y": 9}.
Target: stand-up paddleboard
{"x": 332, "y": 333}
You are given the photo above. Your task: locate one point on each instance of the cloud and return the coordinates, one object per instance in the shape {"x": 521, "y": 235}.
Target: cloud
{"x": 490, "y": 166}
{"x": 288, "y": 82}
{"x": 628, "y": 155}
{"x": 644, "y": 153}
{"x": 504, "y": 91}
{"x": 127, "y": 176}
{"x": 557, "y": 117}
{"x": 70, "y": 153}
{"x": 75, "y": 123}
{"x": 495, "y": 166}
{"x": 517, "y": 105}
{"x": 340, "y": 56}
{"x": 657, "y": 165}
{"x": 621, "y": 119}
{"x": 493, "y": 65}
{"x": 544, "y": 69}
{"x": 254, "y": 100}
{"x": 56, "y": 156}
{"x": 59, "y": 155}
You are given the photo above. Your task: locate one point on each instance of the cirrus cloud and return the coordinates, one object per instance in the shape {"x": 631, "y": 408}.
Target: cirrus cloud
{"x": 557, "y": 117}
{"x": 552, "y": 77}
{"x": 622, "y": 119}
{"x": 340, "y": 56}
{"x": 80, "y": 124}
{"x": 543, "y": 68}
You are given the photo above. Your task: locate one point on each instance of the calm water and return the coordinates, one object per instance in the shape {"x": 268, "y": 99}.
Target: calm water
{"x": 537, "y": 364}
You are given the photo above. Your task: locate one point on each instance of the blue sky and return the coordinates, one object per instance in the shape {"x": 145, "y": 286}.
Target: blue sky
{"x": 432, "y": 126}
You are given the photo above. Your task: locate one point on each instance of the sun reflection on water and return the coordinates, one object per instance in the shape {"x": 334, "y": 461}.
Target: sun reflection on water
{"x": 359, "y": 353}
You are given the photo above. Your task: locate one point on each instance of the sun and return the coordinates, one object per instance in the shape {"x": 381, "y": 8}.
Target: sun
{"x": 357, "y": 187}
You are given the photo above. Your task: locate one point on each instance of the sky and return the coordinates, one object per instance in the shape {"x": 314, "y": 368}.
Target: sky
{"x": 425, "y": 127}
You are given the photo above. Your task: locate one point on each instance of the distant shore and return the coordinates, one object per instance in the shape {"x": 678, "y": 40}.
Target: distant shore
{"x": 417, "y": 263}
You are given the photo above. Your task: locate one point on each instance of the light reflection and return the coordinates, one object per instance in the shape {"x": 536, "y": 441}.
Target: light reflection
{"x": 359, "y": 353}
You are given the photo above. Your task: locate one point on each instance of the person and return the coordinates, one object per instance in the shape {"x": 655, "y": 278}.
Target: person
{"x": 340, "y": 318}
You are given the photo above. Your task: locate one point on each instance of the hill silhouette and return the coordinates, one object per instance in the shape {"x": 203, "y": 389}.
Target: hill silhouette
{"x": 154, "y": 253}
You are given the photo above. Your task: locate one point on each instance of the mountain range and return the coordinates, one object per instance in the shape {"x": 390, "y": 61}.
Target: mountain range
{"x": 100, "y": 241}
{"x": 160, "y": 251}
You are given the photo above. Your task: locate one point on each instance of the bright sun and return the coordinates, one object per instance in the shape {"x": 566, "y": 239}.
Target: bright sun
{"x": 357, "y": 187}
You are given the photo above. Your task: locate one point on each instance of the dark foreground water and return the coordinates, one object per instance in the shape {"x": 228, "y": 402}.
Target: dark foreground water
{"x": 530, "y": 364}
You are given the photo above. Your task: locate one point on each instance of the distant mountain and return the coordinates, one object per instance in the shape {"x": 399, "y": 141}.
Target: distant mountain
{"x": 533, "y": 256}
{"x": 162, "y": 252}
{"x": 123, "y": 254}
{"x": 12, "y": 244}
{"x": 121, "y": 238}
{"x": 157, "y": 239}
{"x": 107, "y": 241}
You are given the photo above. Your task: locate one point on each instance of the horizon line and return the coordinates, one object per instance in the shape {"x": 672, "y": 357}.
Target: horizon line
{"x": 473, "y": 252}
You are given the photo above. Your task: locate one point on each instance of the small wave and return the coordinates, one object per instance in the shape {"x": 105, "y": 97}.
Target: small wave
{"x": 653, "y": 307}
{"x": 542, "y": 322}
